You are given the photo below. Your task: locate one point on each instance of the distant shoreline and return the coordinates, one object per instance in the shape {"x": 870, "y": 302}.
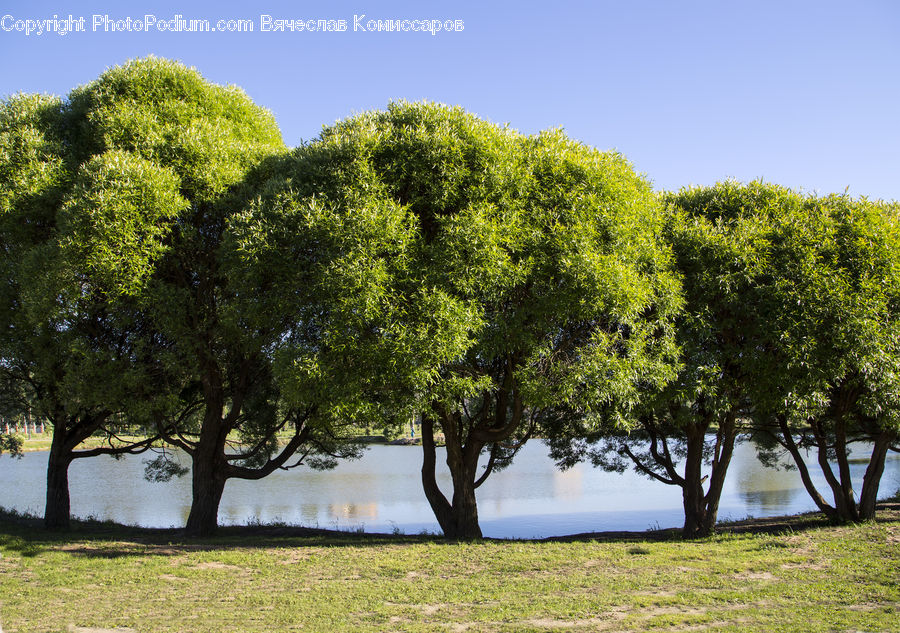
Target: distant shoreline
{"x": 41, "y": 444}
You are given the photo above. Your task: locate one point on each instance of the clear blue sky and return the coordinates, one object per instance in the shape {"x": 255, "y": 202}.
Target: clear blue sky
{"x": 801, "y": 93}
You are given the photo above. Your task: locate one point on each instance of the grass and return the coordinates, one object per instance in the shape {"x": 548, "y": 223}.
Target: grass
{"x": 809, "y": 577}
{"x": 41, "y": 441}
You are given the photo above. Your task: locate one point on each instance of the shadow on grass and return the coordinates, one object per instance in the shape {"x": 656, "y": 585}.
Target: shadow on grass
{"x": 26, "y": 535}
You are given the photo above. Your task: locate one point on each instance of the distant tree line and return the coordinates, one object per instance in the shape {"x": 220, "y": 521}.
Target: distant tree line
{"x": 169, "y": 265}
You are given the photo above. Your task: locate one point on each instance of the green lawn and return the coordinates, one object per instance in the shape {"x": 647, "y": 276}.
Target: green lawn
{"x": 41, "y": 441}
{"x": 269, "y": 579}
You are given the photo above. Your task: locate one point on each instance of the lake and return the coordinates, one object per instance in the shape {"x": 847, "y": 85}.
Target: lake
{"x": 382, "y": 493}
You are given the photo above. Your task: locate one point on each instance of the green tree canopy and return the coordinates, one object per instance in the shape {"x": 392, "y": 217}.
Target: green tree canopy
{"x": 170, "y": 163}
{"x": 128, "y": 294}
{"x": 684, "y": 435}
{"x": 480, "y": 279}
{"x": 64, "y": 352}
{"x": 835, "y": 303}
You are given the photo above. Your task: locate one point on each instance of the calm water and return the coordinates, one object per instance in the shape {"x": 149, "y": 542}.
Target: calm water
{"x": 382, "y": 492}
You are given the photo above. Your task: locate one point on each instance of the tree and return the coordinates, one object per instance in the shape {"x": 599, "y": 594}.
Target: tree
{"x": 836, "y": 305}
{"x": 216, "y": 320}
{"x": 64, "y": 356}
{"x": 128, "y": 297}
{"x": 482, "y": 279}
{"x": 721, "y": 237}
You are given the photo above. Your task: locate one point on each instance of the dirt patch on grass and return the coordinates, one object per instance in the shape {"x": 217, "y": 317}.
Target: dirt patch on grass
{"x": 591, "y": 624}
{"x": 134, "y": 548}
{"x": 875, "y": 606}
{"x": 651, "y": 612}
{"x": 657, "y": 593}
{"x": 755, "y": 575}
{"x": 217, "y": 565}
{"x": 805, "y": 565}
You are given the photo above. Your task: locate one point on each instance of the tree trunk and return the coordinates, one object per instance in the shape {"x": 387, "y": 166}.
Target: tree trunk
{"x": 439, "y": 504}
{"x": 848, "y": 496}
{"x": 721, "y": 460}
{"x": 872, "y": 478}
{"x": 208, "y": 484}
{"x": 794, "y": 450}
{"x": 842, "y": 511}
{"x": 694, "y": 513}
{"x": 458, "y": 519}
{"x": 692, "y": 489}
{"x": 57, "y": 509}
{"x": 701, "y": 510}
{"x": 208, "y": 472}
{"x": 464, "y": 509}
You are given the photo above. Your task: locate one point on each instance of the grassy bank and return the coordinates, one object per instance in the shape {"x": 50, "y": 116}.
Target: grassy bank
{"x": 41, "y": 441}
{"x": 804, "y": 577}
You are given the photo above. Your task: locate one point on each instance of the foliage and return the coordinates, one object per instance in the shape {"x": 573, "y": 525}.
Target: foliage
{"x": 838, "y": 301}
{"x": 116, "y": 205}
{"x": 11, "y": 444}
{"x": 721, "y": 237}
{"x": 479, "y": 278}
{"x": 835, "y": 303}
{"x": 190, "y": 156}
{"x": 117, "y": 217}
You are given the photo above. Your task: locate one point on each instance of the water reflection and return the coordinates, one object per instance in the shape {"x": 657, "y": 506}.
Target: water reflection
{"x": 766, "y": 502}
{"x": 766, "y": 490}
{"x": 382, "y": 492}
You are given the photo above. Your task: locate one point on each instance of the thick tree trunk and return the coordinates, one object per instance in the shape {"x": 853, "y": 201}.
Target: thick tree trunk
{"x": 872, "y": 478}
{"x": 207, "y": 489}
{"x": 701, "y": 510}
{"x": 464, "y": 509}
{"x": 208, "y": 473}
{"x": 848, "y": 496}
{"x": 439, "y": 504}
{"x": 458, "y": 518}
{"x": 692, "y": 489}
{"x": 721, "y": 459}
{"x": 207, "y": 486}
{"x": 694, "y": 513}
{"x": 57, "y": 509}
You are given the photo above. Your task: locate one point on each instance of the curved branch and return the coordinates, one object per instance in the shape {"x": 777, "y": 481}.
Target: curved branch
{"x": 489, "y": 468}
{"x": 664, "y": 459}
{"x": 273, "y": 464}
{"x": 178, "y": 439}
{"x": 259, "y": 445}
{"x": 502, "y": 431}
{"x": 794, "y": 450}
{"x": 644, "y": 468}
{"x": 132, "y": 449}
